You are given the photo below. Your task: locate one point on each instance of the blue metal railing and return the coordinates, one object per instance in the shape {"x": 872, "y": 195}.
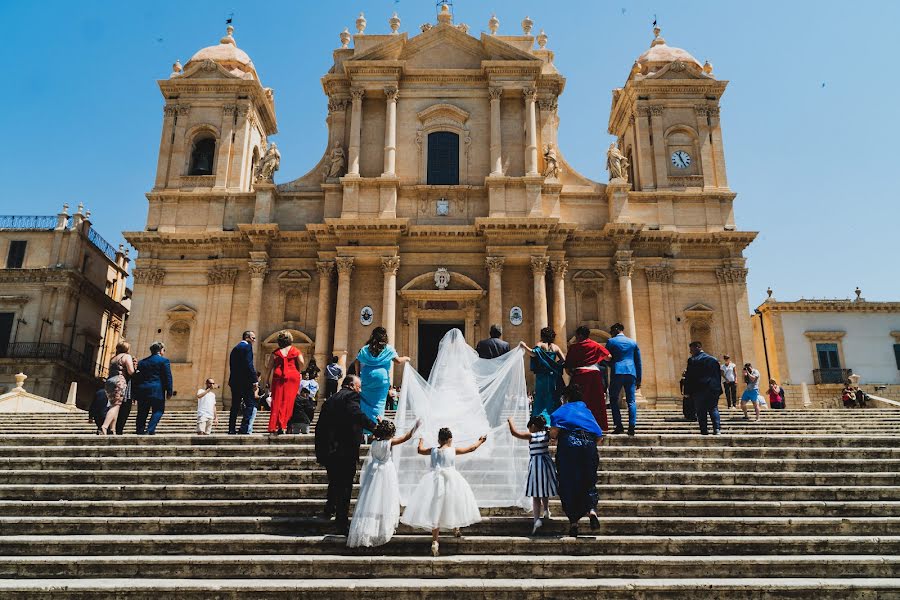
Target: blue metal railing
{"x": 34, "y": 222}
{"x": 105, "y": 247}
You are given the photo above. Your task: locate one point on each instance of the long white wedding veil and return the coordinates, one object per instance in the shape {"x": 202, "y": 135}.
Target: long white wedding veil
{"x": 473, "y": 397}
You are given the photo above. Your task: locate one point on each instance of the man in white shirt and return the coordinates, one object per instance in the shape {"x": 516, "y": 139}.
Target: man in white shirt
{"x": 206, "y": 408}
{"x": 730, "y": 382}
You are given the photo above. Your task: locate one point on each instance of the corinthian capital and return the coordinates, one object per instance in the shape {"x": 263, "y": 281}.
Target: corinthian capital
{"x": 530, "y": 94}
{"x": 390, "y": 264}
{"x": 357, "y": 94}
{"x": 539, "y": 264}
{"x": 494, "y": 264}
{"x": 659, "y": 274}
{"x": 624, "y": 268}
{"x": 325, "y": 268}
{"x": 495, "y": 92}
{"x": 391, "y": 92}
{"x": 258, "y": 269}
{"x": 344, "y": 265}
{"x": 559, "y": 268}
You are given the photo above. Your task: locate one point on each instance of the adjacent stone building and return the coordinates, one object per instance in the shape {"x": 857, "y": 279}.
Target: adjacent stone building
{"x": 441, "y": 200}
{"x": 822, "y": 343}
{"x": 63, "y": 303}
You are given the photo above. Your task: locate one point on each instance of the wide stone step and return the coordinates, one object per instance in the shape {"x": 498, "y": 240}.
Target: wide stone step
{"x": 617, "y": 525}
{"x": 125, "y": 544}
{"x": 313, "y": 506}
{"x": 479, "y": 566}
{"x": 499, "y": 589}
{"x": 632, "y": 492}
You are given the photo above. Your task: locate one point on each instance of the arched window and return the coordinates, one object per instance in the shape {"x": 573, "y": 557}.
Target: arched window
{"x": 202, "y": 156}
{"x": 443, "y": 158}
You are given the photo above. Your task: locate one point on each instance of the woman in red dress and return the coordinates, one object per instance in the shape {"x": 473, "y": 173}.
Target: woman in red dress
{"x": 284, "y": 382}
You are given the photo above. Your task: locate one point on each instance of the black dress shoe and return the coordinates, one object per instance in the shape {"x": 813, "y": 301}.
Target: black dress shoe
{"x": 595, "y": 522}
{"x": 631, "y": 431}
{"x": 618, "y": 429}
{"x": 573, "y": 529}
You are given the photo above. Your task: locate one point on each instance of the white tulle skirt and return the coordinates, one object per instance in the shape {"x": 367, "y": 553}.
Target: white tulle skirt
{"x": 442, "y": 500}
{"x": 377, "y": 512}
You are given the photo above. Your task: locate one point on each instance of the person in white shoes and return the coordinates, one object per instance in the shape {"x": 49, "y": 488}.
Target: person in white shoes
{"x": 206, "y": 408}
{"x": 541, "y": 483}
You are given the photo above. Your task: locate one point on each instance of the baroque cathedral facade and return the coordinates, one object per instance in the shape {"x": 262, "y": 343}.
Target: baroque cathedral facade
{"x": 441, "y": 200}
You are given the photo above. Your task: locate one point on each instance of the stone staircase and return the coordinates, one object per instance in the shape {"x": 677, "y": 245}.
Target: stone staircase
{"x": 801, "y": 504}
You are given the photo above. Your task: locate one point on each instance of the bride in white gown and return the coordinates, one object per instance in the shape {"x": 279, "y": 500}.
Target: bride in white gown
{"x": 473, "y": 397}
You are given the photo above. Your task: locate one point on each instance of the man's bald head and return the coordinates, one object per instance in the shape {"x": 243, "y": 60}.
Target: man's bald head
{"x": 352, "y": 382}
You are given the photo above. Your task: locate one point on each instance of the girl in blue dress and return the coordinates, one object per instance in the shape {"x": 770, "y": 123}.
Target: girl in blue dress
{"x": 374, "y": 363}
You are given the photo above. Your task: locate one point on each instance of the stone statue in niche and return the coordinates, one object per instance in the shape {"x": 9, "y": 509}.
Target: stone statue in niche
{"x": 551, "y": 163}
{"x": 269, "y": 163}
{"x": 616, "y": 163}
{"x": 337, "y": 163}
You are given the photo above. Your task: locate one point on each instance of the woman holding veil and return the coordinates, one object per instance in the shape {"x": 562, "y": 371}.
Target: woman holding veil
{"x": 373, "y": 363}
{"x": 547, "y": 362}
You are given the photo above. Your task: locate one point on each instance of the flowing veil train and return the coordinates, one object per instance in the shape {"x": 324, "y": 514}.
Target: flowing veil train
{"x": 473, "y": 397}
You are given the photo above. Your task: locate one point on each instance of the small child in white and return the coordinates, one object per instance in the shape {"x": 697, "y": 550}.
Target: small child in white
{"x": 542, "y": 483}
{"x": 377, "y": 511}
{"x": 206, "y": 408}
{"x": 443, "y": 498}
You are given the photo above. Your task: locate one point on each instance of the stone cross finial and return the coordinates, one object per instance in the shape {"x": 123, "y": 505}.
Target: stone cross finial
{"x": 493, "y": 24}
{"x": 527, "y": 25}
{"x": 345, "y": 37}
{"x": 360, "y": 24}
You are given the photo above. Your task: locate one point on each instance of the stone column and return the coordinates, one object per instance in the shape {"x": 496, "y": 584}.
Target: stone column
{"x": 658, "y": 277}
{"x": 342, "y": 310}
{"x": 390, "y": 131}
{"x": 625, "y": 269}
{"x": 539, "y": 271}
{"x": 706, "y": 159}
{"x": 559, "y": 269}
{"x": 659, "y": 147}
{"x": 165, "y": 146}
{"x": 355, "y": 128}
{"x": 494, "y": 266}
{"x": 181, "y": 147}
{"x": 223, "y": 152}
{"x": 531, "y": 154}
{"x": 389, "y": 266}
{"x": 323, "y": 312}
{"x": 496, "y": 136}
{"x": 258, "y": 269}
{"x": 718, "y": 149}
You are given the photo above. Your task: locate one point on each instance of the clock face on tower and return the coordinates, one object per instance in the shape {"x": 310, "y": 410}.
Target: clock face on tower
{"x": 681, "y": 159}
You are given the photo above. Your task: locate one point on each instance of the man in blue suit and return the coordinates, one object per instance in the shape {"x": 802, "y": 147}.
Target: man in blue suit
{"x": 244, "y": 383}
{"x": 626, "y": 373}
{"x": 152, "y": 388}
{"x": 703, "y": 383}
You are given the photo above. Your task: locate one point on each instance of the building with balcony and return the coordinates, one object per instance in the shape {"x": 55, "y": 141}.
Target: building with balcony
{"x": 63, "y": 302}
{"x": 822, "y": 342}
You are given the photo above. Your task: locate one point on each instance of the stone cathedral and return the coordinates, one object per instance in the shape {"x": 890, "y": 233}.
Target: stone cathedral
{"x": 441, "y": 200}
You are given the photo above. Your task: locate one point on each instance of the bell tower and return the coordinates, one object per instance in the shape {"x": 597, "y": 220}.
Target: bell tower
{"x": 666, "y": 119}
{"x": 216, "y": 121}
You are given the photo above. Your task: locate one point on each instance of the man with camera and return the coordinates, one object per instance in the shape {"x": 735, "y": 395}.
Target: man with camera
{"x": 751, "y": 394}
{"x": 206, "y": 408}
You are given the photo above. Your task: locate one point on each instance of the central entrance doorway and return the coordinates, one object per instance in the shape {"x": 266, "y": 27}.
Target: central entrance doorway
{"x": 430, "y": 334}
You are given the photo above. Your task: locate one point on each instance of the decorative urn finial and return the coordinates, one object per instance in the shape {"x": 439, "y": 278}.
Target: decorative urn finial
{"x": 858, "y": 293}
{"x": 177, "y": 68}
{"x": 345, "y": 37}
{"x": 493, "y": 24}
{"x": 707, "y": 68}
{"x": 636, "y": 68}
{"x": 360, "y": 23}
{"x": 657, "y": 39}
{"x": 527, "y": 25}
{"x": 394, "y": 22}
{"x": 229, "y": 36}
{"x": 542, "y": 40}
{"x": 445, "y": 16}
{"x": 769, "y": 291}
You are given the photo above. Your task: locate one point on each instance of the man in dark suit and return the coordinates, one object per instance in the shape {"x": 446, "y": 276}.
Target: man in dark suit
{"x": 703, "y": 383}
{"x": 152, "y": 388}
{"x": 338, "y": 436}
{"x": 493, "y": 346}
{"x": 244, "y": 382}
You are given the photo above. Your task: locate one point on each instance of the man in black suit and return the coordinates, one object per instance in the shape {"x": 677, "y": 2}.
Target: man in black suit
{"x": 703, "y": 383}
{"x": 243, "y": 382}
{"x": 493, "y": 346}
{"x": 338, "y": 437}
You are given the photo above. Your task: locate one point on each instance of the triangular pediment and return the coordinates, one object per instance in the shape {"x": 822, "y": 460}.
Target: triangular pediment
{"x": 699, "y": 311}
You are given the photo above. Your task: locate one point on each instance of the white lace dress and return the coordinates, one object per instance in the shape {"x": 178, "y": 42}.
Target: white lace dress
{"x": 443, "y": 498}
{"x": 377, "y": 512}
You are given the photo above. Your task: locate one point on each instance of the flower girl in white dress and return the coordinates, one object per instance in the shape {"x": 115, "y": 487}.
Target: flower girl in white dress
{"x": 443, "y": 498}
{"x": 377, "y": 512}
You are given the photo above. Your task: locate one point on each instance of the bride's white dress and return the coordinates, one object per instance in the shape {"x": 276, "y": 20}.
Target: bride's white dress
{"x": 473, "y": 397}
{"x": 443, "y": 499}
{"x": 377, "y": 511}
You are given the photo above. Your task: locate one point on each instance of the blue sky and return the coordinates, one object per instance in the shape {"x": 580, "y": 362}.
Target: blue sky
{"x": 810, "y": 117}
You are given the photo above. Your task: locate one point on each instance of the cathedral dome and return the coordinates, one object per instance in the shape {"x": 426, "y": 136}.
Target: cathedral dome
{"x": 661, "y": 54}
{"x": 227, "y": 54}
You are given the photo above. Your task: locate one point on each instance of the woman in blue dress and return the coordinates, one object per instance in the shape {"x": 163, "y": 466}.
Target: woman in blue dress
{"x": 547, "y": 365}
{"x": 577, "y": 434}
{"x": 373, "y": 363}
